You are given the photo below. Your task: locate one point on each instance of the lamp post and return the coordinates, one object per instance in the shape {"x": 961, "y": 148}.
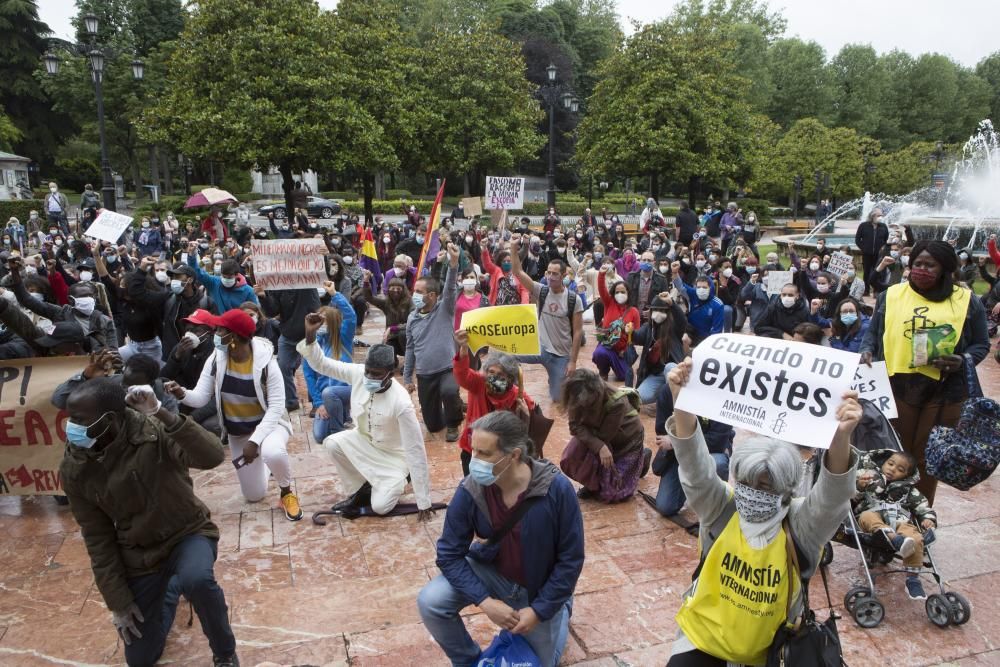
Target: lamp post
{"x": 553, "y": 93}
{"x": 95, "y": 55}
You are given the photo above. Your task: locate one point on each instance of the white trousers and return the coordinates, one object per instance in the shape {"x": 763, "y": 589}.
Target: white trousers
{"x": 387, "y": 482}
{"x": 273, "y": 459}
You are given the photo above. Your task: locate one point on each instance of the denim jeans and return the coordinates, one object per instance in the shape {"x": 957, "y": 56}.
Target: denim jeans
{"x": 288, "y": 361}
{"x": 554, "y": 365}
{"x": 727, "y": 318}
{"x": 439, "y": 605}
{"x": 188, "y": 570}
{"x": 651, "y": 384}
{"x": 337, "y": 402}
{"x": 670, "y": 496}
{"x": 152, "y": 347}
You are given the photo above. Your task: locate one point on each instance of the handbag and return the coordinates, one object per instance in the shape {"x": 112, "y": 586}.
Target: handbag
{"x": 507, "y": 650}
{"x": 967, "y": 454}
{"x": 538, "y": 430}
{"x": 810, "y": 643}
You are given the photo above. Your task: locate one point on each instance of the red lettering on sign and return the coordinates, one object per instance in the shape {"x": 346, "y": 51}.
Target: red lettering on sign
{"x": 41, "y": 482}
{"x": 6, "y": 439}
{"x": 18, "y": 476}
{"x": 34, "y": 425}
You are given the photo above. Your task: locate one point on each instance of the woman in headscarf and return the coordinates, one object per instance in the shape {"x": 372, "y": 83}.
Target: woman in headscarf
{"x": 727, "y": 617}
{"x": 929, "y": 391}
{"x": 497, "y": 387}
{"x": 396, "y": 306}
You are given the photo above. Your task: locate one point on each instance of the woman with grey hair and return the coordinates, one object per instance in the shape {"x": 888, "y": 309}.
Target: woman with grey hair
{"x": 497, "y": 387}
{"x": 748, "y": 583}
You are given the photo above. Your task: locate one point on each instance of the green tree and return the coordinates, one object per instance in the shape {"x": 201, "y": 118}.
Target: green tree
{"x": 257, "y": 83}
{"x": 482, "y": 117}
{"x": 667, "y": 104}
{"x": 861, "y": 82}
{"x": 907, "y": 169}
{"x": 809, "y": 146}
{"x": 988, "y": 70}
{"x": 698, "y": 15}
{"x": 8, "y": 131}
{"x": 803, "y": 87}
{"x": 40, "y": 128}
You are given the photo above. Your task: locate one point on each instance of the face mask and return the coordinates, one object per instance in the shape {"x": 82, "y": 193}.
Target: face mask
{"x": 727, "y": 273}
{"x": 814, "y": 266}
{"x": 788, "y": 301}
{"x": 598, "y": 257}
{"x": 621, "y": 298}
{"x": 700, "y": 263}
{"x": 851, "y": 276}
{"x": 59, "y": 242}
{"x": 420, "y": 238}
{"x": 53, "y": 232}
{"x": 348, "y": 259}
{"x": 658, "y": 317}
{"x": 111, "y": 259}
{"x": 849, "y": 318}
{"x": 6, "y": 241}
{"x": 386, "y": 239}
{"x": 33, "y": 216}
{"x": 469, "y": 284}
{"x": 145, "y": 224}
{"x": 30, "y": 270}
{"x": 418, "y": 300}
{"x": 645, "y": 267}
{"x": 176, "y": 286}
{"x": 482, "y": 471}
{"x": 323, "y": 330}
{"x": 655, "y": 247}
{"x": 373, "y": 386}
{"x": 751, "y": 269}
{"x": 77, "y": 436}
{"x": 218, "y": 341}
{"x": 579, "y": 235}
{"x": 566, "y": 281}
{"x": 754, "y": 505}
{"x": 922, "y": 278}
{"x": 85, "y": 304}
{"x": 86, "y": 276}
{"x": 712, "y": 258}
{"x": 162, "y": 277}
{"x": 822, "y": 289}
{"x": 470, "y": 239}
{"x": 497, "y": 384}
{"x": 904, "y": 260}
{"x": 894, "y": 254}
{"x": 664, "y": 268}
{"x": 217, "y": 269}
{"x": 228, "y": 282}
{"x": 335, "y": 242}
{"x": 505, "y": 266}
{"x": 703, "y": 293}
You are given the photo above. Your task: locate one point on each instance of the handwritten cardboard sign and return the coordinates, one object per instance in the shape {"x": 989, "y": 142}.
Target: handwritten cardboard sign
{"x": 289, "y": 264}
{"x": 776, "y": 280}
{"x": 32, "y": 430}
{"x": 511, "y": 329}
{"x": 783, "y": 389}
{"x": 873, "y": 384}
{"x": 472, "y": 206}
{"x": 840, "y": 264}
{"x": 109, "y": 226}
{"x": 504, "y": 192}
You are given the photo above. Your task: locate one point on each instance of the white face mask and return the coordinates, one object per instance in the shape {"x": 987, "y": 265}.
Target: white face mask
{"x": 814, "y": 266}
{"x": 349, "y": 259}
{"x": 822, "y": 289}
{"x": 162, "y": 277}
{"x": 85, "y": 304}
{"x": 470, "y": 239}
{"x": 904, "y": 260}
{"x": 86, "y": 276}
{"x": 788, "y": 301}
{"x": 727, "y": 273}
{"x": 699, "y": 263}
{"x": 469, "y": 284}
{"x": 386, "y": 239}
{"x": 703, "y": 293}
{"x": 658, "y": 317}
{"x": 621, "y": 298}
{"x": 664, "y": 268}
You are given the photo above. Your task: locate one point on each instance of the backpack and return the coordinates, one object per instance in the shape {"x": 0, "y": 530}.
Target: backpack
{"x": 633, "y": 398}
{"x": 570, "y": 305}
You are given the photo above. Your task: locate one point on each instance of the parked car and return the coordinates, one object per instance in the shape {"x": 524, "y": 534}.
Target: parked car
{"x": 317, "y": 208}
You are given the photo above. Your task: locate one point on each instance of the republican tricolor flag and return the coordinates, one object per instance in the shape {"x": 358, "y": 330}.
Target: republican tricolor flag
{"x": 432, "y": 244}
{"x": 369, "y": 259}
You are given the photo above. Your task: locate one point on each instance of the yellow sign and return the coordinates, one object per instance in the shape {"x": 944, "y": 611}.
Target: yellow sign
{"x": 512, "y": 329}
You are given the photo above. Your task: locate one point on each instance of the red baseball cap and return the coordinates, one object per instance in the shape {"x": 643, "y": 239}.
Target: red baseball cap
{"x": 236, "y": 321}
{"x": 200, "y": 316}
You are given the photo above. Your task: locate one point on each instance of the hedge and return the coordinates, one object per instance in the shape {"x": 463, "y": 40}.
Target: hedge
{"x": 20, "y": 209}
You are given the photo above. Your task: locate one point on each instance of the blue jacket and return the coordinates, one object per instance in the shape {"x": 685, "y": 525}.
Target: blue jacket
{"x": 224, "y": 298}
{"x": 317, "y": 382}
{"x": 705, "y": 317}
{"x": 852, "y": 342}
{"x": 551, "y": 540}
{"x": 153, "y": 242}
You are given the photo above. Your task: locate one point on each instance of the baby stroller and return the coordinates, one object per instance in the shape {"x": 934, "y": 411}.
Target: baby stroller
{"x": 944, "y": 608}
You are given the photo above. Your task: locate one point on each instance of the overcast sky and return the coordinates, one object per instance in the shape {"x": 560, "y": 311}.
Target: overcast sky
{"x": 966, "y": 30}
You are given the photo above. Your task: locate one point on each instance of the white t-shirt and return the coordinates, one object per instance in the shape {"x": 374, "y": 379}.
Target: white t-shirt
{"x": 554, "y": 333}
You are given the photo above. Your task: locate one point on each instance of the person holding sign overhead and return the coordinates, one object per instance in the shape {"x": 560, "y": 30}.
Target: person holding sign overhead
{"x": 929, "y": 391}
{"x": 727, "y": 616}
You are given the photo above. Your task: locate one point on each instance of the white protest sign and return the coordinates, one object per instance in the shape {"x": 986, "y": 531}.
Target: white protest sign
{"x": 504, "y": 192}
{"x": 776, "y": 280}
{"x": 109, "y": 226}
{"x": 840, "y": 264}
{"x": 780, "y": 388}
{"x": 291, "y": 264}
{"x": 873, "y": 384}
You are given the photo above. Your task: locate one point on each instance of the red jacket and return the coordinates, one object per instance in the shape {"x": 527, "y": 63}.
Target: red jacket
{"x": 616, "y": 311}
{"x": 991, "y": 245}
{"x": 478, "y": 404}
{"x": 496, "y": 273}
{"x": 208, "y": 227}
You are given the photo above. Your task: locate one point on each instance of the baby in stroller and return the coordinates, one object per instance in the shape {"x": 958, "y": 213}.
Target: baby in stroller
{"x": 888, "y": 499}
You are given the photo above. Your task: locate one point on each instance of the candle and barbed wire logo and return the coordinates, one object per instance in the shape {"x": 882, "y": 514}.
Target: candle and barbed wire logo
{"x": 779, "y": 425}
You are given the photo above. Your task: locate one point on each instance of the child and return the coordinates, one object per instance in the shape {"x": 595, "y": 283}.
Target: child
{"x": 889, "y": 499}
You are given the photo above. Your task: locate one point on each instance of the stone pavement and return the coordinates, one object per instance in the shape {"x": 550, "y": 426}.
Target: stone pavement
{"x": 344, "y": 594}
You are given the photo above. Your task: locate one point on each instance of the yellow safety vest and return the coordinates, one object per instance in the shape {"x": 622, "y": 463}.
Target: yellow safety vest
{"x": 740, "y": 599}
{"x": 905, "y": 312}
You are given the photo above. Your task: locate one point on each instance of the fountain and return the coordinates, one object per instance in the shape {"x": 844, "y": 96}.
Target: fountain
{"x": 964, "y": 209}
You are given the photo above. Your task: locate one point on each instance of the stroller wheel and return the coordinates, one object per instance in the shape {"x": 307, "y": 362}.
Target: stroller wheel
{"x": 855, "y": 595}
{"x": 827, "y": 556}
{"x": 961, "y": 610}
{"x": 868, "y": 612}
{"x": 938, "y": 610}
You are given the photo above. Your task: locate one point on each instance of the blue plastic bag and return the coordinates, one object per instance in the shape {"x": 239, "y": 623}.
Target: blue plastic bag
{"x": 509, "y": 650}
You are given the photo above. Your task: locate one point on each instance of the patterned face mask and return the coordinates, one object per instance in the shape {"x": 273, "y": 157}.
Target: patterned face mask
{"x": 754, "y": 505}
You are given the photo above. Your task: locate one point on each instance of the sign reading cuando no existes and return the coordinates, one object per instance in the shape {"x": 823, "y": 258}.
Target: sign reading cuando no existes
{"x": 32, "y": 430}
{"x": 504, "y": 192}
{"x": 289, "y": 264}
{"x": 780, "y": 388}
